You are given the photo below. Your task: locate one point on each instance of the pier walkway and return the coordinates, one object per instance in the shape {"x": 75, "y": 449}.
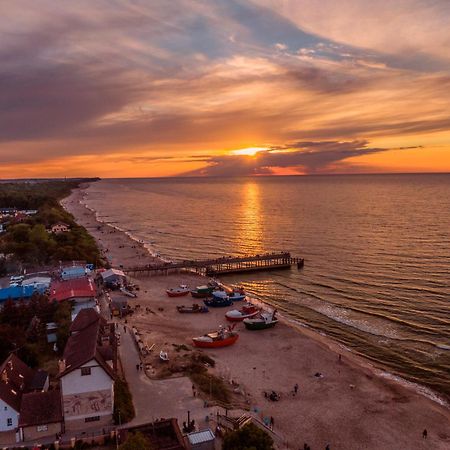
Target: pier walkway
{"x": 223, "y": 265}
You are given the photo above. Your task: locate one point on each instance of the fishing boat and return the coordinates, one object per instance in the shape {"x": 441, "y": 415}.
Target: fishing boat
{"x": 219, "y": 299}
{"x": 193, "y": 309}
{"x": 221, "y": 338}
{"x": 163, "y": 356}
{"x": 179, "y": 291}
{"x": 202, "y": 291}
{"x": 263, "y": 321}
{"x": 237, "y": 315}
{"x": 237, "y": 296}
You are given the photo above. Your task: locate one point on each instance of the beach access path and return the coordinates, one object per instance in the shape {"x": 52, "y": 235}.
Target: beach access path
{"x": 350, "y": 408}
{"x": 156, "y": 399}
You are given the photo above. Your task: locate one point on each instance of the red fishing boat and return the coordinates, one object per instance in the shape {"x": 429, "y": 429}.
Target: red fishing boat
{"x": 178, "y": 291}
{"x": 221, "y": 338}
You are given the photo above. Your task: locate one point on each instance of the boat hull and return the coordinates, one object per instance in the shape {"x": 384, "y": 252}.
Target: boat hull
{"x": 259, "y": 325}
{"x": 216, "y": 344}
{"x": 214, "y": 303}
{"x": 192, "y": 310}
{"x": 177, "y": 293}
{"x": 240, "y": 318}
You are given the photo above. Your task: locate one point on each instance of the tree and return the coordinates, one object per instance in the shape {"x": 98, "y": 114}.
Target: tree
{"x": 136, "y": 441}
{"x": 249, "y": 437}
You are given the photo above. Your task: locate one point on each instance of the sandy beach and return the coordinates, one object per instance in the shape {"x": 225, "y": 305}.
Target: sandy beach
{"x": 350, "y": 407}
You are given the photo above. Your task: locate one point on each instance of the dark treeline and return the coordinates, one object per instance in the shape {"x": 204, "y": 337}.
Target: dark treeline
{"x": 28, "y": 241}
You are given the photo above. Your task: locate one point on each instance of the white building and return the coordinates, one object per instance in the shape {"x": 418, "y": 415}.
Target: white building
{"x": 87, "y": 372}
{"x": 15, "y": 377}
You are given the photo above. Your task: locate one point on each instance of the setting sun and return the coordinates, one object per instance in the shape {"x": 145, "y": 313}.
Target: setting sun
{"x": 250, "y": 151}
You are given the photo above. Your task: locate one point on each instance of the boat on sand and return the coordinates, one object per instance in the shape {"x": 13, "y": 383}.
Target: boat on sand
{"x": 202, "y": 291}
{"x": 195, "y": 308}
{"x": 237, "y": 315}
{"x": 263, "y": 321}
{"x": 179, "y": 291}
{"x": 163, "y": 356}
{"x": 221, "y": 338}
{"x": 219, "y": 299}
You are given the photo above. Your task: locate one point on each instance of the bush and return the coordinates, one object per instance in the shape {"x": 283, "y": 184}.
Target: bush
{"x": 249, "y": 437}
{"x": 211, "y": 385}
{"x": 123, "y": 402}
{"x": 136, "y": 441}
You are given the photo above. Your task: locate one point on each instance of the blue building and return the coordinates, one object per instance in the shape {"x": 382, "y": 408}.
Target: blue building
{"x": 18, "y": 292}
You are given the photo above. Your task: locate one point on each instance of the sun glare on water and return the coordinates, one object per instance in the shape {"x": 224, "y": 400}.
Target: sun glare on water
{"x": 249, "y": 151}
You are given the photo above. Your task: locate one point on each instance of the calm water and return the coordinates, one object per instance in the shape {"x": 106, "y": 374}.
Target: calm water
{"x": 377, "y": 251}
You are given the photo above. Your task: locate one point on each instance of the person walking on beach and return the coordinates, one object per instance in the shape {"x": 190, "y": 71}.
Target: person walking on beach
{"x": 137, "y": 367}
{"x": 425, "y": 434}
{"x": 272, "y": 422}
{"x": 295, "y": 388}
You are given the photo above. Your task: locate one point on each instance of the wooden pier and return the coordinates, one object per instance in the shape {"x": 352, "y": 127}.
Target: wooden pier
{"x": 219, "y": 266}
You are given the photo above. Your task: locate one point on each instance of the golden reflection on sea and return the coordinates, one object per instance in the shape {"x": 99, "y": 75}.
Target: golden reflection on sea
{"x": 249, "y": 235}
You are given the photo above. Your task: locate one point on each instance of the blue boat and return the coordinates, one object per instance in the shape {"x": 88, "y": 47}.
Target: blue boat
{"x": 219, "y": 299}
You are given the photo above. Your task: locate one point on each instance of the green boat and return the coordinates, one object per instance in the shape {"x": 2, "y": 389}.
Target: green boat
{"x": 263, "y": 321}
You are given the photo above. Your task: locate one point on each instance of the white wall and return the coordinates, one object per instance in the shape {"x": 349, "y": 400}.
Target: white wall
{"x": 5, "y": 414}
{"x": 87, "y": 395}
{"x": 75, "y": 383}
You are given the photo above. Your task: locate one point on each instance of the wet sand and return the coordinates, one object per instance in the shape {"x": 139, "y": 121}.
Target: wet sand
{"x": 350, "y": 407}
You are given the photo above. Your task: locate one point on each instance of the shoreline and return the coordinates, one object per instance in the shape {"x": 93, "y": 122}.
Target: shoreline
{"x": 127, "y": 249}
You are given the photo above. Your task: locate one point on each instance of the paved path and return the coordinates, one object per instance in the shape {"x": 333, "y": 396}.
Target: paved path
{"x": 154, "y": 399}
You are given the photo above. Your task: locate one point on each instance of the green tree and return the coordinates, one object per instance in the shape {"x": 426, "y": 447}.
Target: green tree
{"x": 136, "y": 441}
{"x": 249, "y": 437}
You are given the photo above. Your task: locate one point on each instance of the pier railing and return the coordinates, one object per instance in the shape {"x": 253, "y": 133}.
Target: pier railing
{"x": 225, "y": 264}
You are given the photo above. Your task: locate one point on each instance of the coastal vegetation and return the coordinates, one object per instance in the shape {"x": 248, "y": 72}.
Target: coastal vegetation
{"x": 23, "y": 330}
{"x": 28, "y": 239}
{"x": 123, "y": 402}
{"x": 249, "y": 437}
{"x": 136, "y": 441}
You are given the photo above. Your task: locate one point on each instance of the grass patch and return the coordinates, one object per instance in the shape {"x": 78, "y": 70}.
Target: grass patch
{"x": 123, "y": 402}
{"x": 211, "y": 385}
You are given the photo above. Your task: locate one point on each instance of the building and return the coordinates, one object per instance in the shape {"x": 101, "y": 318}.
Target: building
{"x": 16, "y": 292}
{"x": 71, "y": 272}
{"x": 15, "y": 379}
{"x": 87, "y": 372}
{"x": 81, "y": 291}
{"x": 40, "y": 415}
{"x": 162, "y": 434}
{"x": 59, "y": 227}
{"x": 39, "y": 283}
{"x": 201, "y": 440}
{"x": 113, "y": 277}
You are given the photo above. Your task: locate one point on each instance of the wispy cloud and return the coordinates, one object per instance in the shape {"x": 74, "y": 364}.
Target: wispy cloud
{"x": 138, "y": 81}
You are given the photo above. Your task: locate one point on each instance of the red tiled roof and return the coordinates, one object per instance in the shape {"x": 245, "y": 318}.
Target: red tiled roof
{"x": 15, "y": 378}
{"x": 86, "y": 317}
{"x": 78, "y": 287}
{"x": 40, "y": 408}
{"x": 83, "y": 345}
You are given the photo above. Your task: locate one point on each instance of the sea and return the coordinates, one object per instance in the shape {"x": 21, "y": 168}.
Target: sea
{"x": 376, "y": 249}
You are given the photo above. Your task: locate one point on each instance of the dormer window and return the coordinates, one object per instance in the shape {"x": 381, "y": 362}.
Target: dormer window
{"x": 85, "y": 371}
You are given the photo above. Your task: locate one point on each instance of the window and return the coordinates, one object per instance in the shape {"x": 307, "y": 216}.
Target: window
{"x": 9, "y": 422}
{"x": 92, "y": 419}
{"x": 6, "y": 408}
{"x": 42, "y": 427}
{"x": 85, "y": 371}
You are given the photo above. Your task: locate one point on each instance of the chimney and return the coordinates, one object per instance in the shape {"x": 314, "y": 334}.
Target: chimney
{"x": 62, "y": 365}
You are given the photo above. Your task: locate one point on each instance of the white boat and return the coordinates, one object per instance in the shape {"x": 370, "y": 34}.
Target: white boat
{"x": 163, "y": 356}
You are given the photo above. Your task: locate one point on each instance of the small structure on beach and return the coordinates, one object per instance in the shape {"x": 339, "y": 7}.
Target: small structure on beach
{"x": 113, "y": 277}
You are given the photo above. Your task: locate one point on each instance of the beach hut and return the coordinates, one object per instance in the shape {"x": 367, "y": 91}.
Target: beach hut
{"x": 113, "y": 277}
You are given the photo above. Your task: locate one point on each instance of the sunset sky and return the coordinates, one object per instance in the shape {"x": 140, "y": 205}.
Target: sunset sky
{"x": 223, "y": 87}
